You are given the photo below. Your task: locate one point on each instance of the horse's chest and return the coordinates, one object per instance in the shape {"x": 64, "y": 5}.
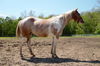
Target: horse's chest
{"x": 54, "y": 29}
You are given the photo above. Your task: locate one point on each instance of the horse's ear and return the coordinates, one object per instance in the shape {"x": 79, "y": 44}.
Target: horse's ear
{"x": 76, "y": 9}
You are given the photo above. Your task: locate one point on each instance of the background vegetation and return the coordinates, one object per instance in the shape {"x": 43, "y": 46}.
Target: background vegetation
{"x": 91, "y": 25}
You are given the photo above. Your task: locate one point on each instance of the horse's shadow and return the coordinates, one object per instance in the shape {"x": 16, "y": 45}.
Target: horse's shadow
{"x": 56, "y": 60}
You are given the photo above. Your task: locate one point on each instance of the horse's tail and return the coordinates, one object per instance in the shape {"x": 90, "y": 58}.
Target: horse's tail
{"x": 17, "y": 31}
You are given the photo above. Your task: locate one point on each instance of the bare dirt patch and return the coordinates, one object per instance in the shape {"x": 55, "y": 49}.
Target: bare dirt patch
{"x": 71, "y": 52}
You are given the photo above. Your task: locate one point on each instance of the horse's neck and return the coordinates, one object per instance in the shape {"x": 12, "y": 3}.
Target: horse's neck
{"x": 60, "y": 22}
{"x": 66, "y": 19}
{"x": 63, "y": 22}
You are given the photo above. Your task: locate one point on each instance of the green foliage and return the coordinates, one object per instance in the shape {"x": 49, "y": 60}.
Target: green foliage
{"x": 91, "y": 25}
{"x": 90, "y": 22}
{"x": 73, "y": 28}
{"x": 97, "y": 29}
{"x": 8, "y": 27}
{"x": 70, "y": 29}
{"x": 79, "y": 29}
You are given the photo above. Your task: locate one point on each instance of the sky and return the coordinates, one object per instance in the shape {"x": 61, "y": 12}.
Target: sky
{"x": 45, "y": 7}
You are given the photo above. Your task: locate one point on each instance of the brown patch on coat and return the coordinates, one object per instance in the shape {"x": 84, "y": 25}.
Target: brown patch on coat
{"x": 54, "y": 31}
{"x": 26, "y": 32}
{"x": 32, "y": 19}
{"x": 76, "y": 16}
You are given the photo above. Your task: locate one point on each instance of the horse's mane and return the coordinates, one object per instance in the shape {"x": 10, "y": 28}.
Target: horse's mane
{"x": 62, "y": 15}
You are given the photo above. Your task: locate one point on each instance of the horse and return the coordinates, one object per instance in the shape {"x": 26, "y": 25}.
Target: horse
{"x": 46, "y": 27}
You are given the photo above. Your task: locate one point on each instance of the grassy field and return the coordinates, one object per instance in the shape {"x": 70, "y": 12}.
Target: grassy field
{"x": 73, "y": 36}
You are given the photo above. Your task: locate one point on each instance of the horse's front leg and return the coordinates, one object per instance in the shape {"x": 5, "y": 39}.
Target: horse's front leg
{"x": 53, "y": 49}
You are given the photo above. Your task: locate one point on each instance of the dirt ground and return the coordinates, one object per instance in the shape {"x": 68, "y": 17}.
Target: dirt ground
{"x": 71, "y": 52}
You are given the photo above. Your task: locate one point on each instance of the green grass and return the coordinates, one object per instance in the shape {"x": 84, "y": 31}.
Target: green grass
{"x": 89, "y": 36}
{"x": 74, "y": 36}
{"x": 7, "y": 37}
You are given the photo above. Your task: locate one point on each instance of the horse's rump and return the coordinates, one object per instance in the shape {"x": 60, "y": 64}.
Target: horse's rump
{"x": 24, "y": 27}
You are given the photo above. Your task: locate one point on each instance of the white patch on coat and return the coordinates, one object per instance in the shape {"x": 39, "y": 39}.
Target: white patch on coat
{"x": 57, "y": 25}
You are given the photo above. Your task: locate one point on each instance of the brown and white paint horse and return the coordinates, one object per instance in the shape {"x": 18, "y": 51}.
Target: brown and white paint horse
{"x": 45, "y": 27}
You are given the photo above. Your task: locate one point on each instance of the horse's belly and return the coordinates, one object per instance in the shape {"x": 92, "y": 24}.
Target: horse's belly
{"x": 40, "y": 33}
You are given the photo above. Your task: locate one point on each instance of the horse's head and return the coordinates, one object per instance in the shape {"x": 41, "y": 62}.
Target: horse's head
{"x": 76, "y": 16}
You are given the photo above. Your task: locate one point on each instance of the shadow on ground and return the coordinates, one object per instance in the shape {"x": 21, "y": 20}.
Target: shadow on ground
{"x": 56, "y": 60}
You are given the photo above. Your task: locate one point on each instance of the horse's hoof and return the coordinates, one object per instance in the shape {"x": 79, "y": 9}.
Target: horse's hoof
{"x": 55, "y": 56}
{"x": 33, "y": 56}
{"x": 22, "y": 57}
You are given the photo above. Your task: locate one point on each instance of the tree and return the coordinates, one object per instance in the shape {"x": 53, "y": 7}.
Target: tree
{"x": 26, "y": 14}
{"x": 97, "y": 29}
{"x": 90, "y": 23}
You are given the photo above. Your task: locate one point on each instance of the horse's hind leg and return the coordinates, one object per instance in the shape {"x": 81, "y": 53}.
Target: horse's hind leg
{"x": 29, "y": 46}
{"x": 21, "y": 45}
{"x": 21, "y": 50}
